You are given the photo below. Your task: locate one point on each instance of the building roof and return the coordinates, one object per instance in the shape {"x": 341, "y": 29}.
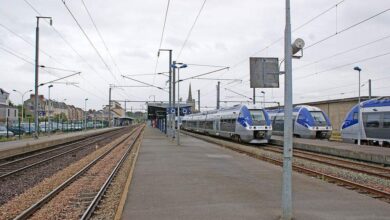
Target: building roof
{"x": 350, "y": 99}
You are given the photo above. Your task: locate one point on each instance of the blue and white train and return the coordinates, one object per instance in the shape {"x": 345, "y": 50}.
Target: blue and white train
{"x": 308, "y": 122}
{"x": 375, "y": 124}
{"x": 241, "y": 123}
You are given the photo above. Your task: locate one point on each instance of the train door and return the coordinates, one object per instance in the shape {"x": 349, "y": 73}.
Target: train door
{"x": 376, "y": 125}
{"x": 217, "y": 124}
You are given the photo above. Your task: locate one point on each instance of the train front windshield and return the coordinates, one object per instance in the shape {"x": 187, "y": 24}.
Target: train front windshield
{"x": 319, "y": 118}
{"x": 258, "y": 117}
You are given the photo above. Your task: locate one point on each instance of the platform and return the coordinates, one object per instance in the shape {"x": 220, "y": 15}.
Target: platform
{"x": 200, "y": 180}
{"x": 374, "y": 154}
{"x": 11, "y": 148}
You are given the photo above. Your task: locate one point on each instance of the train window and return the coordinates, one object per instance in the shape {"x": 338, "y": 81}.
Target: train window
{"x": 372, "y": 120}
{"x": 355, "y": 116}
{"x": 386, "y": 120}
{"x": 318, "y": 116}
{"x": 258, "y": 117}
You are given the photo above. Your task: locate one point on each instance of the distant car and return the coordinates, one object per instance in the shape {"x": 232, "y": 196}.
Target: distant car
{"x": 16, "y": 130}
{"x": 3, "y": 132}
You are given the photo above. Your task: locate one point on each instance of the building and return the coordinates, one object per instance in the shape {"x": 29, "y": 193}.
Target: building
{"x": 29, "y": 106}
{"x": 7, "y": 112}
{"x": 190, "y": 101}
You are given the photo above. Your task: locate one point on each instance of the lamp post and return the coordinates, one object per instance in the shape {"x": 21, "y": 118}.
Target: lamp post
{"x": 262, "y": 92}
{"x": 37, "y": 73}
{"x": 178, "y": 66}
{"x": 22, "y": 94}
{"x": 49, "y": 109}
{"x": 359, "y": 109}
{"x": 85, "y": 110}
{"x": 154, "y": 97}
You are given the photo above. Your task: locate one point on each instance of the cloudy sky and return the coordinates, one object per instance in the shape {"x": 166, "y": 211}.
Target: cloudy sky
{"x": 226, "y": 33}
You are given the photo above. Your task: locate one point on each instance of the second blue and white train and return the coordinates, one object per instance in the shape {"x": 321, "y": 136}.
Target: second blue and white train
{"x": 241, "y": 123}
{"x": 308, "y": 122}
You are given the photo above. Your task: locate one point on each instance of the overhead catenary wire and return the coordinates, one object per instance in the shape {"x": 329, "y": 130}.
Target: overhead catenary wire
{"x": 103, "y": 41}
{"x": 71, "y": 47}
{"x": 295, "y": 29}
{"x": 347, "y": 28}
{"x": 344, "y": 65}
{"x": 101, "y": 37}
{"x": 191, "y": 29}
{"x": 89, "y": 40}
{"x": 30, "y": 44}
{"x": 343, "y": 52}
{"x": 162, "y": 36}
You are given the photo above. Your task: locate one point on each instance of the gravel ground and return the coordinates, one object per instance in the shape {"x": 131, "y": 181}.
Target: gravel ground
{"x": 14, "y": 185}
{"x": 109, "y": 205}
{"x": 23, "y": 201}
{"x": 364, "y": 179}
{"x": 72, "y": 201}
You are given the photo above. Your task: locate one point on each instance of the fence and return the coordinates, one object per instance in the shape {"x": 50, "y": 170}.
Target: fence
{"x": 18, "y": 130}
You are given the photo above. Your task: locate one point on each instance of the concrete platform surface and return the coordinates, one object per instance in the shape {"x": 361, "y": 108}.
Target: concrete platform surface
{"x": 199, "y": 180}
{"x": 367, "y": 153}
{"x": 11, "y": 148}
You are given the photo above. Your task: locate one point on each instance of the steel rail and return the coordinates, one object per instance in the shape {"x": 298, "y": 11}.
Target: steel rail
{"x": 322, "y": 161}
{"x": 53, "y": 157}
{"x": 36, "y": 206}
{"x": 362, "y": 188}
{"x": 91, "y": 208}
{"x": 51, "y": 149}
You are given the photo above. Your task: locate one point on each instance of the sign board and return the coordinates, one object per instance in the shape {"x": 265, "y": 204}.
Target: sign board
{"x": 183, "y": 110}
{"x": 264, "y": 72}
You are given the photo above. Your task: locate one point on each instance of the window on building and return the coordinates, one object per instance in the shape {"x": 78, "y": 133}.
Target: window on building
{"x": 8, "y": 114}
{"x": 15, "y": 113}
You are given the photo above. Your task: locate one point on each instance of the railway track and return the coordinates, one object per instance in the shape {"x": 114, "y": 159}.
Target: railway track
{"x": 23, "y": 163}
{"x": 259, "y": 154}
{"x": 29, "y": 171}
{"x": 365, "y": 168}
{"x": 85, "y": 197}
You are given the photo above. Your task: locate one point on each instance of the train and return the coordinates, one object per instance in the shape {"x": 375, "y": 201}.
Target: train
{"x": 241, "y": 123}
{"x": 375, "y": 124}
{"x": 308, "y": 122}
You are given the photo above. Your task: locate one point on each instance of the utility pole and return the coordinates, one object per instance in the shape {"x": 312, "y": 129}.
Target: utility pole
{"x": 218, "y": 94}
{"x": 254, "y": 96}
{"x": 170, "y": 115}
{"x": 36, "y": 124}
{"x": 173, "y": 98}
{"x": 170, "y": 92}
{"x": 199, "y": 100}
{"x": 287, "y": 146}
{"x": 109, "y": 106}
{"x": 369, "y": 89}
{"x": 125, "y": 108}
{"x": 48, "y": 104}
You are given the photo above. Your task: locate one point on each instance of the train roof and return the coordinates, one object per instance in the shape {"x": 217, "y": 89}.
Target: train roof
{"x": 296, "y": 109}
{"x": 379, "y": 102}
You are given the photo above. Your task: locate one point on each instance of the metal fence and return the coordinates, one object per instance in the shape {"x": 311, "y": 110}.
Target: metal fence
{"x": 18, "y": 130}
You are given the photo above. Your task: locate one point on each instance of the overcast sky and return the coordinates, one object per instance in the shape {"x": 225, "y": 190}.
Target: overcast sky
{"x": 226, "y": 33}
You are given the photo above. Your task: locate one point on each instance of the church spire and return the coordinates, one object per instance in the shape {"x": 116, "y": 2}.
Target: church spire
{"x": 189, "y": 94}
